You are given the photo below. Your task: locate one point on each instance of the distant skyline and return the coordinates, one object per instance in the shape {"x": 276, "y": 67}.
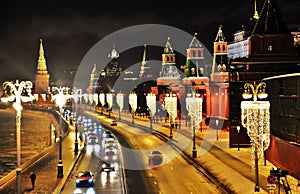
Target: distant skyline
{"x": 70, "y": 28}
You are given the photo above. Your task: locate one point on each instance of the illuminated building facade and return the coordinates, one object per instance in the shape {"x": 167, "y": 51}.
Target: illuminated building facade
{"x": 262, "y": 49}
{"x": 284, "y": 93}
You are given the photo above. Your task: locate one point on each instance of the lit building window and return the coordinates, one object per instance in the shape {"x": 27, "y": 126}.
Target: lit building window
{"x": 270, "y": 48}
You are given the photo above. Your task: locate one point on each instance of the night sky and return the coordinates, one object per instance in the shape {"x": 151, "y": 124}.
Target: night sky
{"x": 70, "y": 28}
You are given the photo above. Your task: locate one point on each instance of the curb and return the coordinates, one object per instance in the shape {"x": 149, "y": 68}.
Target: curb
{"x": 62, "y": 183}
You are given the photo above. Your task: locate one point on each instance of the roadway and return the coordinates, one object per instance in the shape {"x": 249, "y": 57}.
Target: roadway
{"x": 174, "y": 175}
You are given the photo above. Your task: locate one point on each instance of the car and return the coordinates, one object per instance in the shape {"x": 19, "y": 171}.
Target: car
{"x": 92, "y": 139}
{"x": 91, "y": 132}
{"x": 155, "y": 158}
{"x": 110, "y": 156}
{"x": 106, "y": 133}
{"x": 110, "y": 136}
{"x": 114, "y": 123}
{"x": 107, "y": 166}
{"x": 85, "y": 178}
{"x": 109, "y": 142}
{"x": 111, "y": 148}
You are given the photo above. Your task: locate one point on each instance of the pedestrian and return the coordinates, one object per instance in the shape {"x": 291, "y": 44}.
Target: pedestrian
{"x": 32, "y": 178}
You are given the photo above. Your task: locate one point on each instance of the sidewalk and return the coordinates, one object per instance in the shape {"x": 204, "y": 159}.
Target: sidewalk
{"x": 229, "y": 165}
{"x": 45, "y": 168}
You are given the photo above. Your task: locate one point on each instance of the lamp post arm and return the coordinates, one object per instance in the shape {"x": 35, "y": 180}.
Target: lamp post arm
{"x": 254, "y": 88}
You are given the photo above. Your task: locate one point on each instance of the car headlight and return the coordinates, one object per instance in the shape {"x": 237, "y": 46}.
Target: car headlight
{"x": 77, "y": 181}
{"x": 90, "y": 180}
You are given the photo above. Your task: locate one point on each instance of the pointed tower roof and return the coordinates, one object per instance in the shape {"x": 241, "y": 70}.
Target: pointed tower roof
{"x": 270, "y": 20}
{"x": 168, "y": 48}
{"x": 220, "y": 36}
{"x": 144, "y": 62}
{"x": 114, "y": 53}
{"x": 255, "y": 16}
{"x": 94, "y": 71}
{"x": 195, "y": 43}
{"x": 41, "y": 63}
{"x": 145, "y": 71}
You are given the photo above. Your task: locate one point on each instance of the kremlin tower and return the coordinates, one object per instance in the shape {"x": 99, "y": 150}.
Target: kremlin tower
{"x": 41, "y": 76}
{"x": 219, "y": 81}
{"x": 194, "y": 66}
{"x": 169, "y": 73}
{"x": 93, "y": 80}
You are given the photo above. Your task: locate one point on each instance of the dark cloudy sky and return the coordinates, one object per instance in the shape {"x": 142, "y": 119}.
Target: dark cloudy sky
{"x": 70, "y": 28}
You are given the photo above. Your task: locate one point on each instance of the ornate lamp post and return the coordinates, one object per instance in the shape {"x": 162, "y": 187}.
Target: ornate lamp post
{"x": 77, "y": 97}
{"x": 151, "y": 103}
{"x": 217, "y": 129}
{"x": 171, "y": 107}
{"x": 91, "y": 100}
{"x": 133, "y": 104}
{"x": 238, "y": 128}
{"x": 120, "y": 102}
{"x": 255, "y": 117}
{"x": 109, "y": 99}
{"x": 60, "y": 101}
{"x": 17, "y": 89}
{"x": 194, "y": 106}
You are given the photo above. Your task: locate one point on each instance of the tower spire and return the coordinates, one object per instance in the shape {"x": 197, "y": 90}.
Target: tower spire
{"x": 145, "y": 71}
{"x": 168, "y": 47}
{"x": 41, "y": 65}
{"x": 255, "y": 16}
{"x": 114, "y": 53}
{"x": 220, "y": 35}
{"x": 144, "y": 56}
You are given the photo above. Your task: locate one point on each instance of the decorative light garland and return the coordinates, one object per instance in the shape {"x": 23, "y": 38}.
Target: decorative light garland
{"x": 171, "y": 107}
{"x": 256, "y": 118}
{"x": 194, "y": 106}
{"x": 151, "y": 103}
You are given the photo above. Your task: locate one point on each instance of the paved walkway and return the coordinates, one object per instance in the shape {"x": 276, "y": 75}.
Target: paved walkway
{"x": 232, "y": 166}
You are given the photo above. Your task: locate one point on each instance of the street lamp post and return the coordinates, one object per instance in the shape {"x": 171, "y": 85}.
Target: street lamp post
{"x": 171, "y": 107}
{"x": 151, "y": 103}
{"x": 238, "y": 128}
{"x": 60, "y": 101}
{"x": 133, "y": 104}
{"x": 17, "y": 89}
{"x": 194, "y": 106}
{"x": 217, "y": 129}
{"x": 255, "y": 116}
{"x": 76, "y": 96}
{"x": 120, "y": 102}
